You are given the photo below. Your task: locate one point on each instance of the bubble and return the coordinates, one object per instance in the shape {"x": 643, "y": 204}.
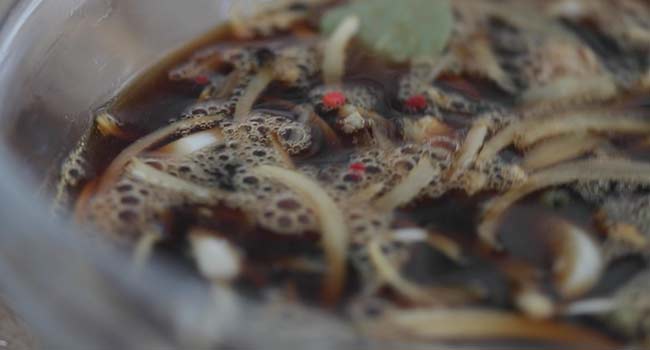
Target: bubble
{"x": 128, "y": 216}
{"x": 124, "y": 188}
{"x": 130, "y": 208}
{"x": 285, "y": 214}
{"x": 497, "y": 174}
{"x": 288, "y": 204}
{"x": 209, "y": 107}
{"x": 251, "y": 180}
{"x": 130, "y": 200}
{"x": 599, "y": 191}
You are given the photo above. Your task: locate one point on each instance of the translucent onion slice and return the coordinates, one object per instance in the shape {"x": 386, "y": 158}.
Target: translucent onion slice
{"x": 259, "y": 83}
{"x": 585, "y": 170}
{"x": 558, "y": 150}
{"x": 409, "y": 188}
{"x": 410, "y": 235}
{"x": 216, "y": 258}
{"x": 476, "y": 55}
{"x": 594, "y": 306}
{"x": 480, "y": 324}
{"x": 534, "y": 304}
{"x": 144, "y": 249}
{"x": 587, "y": 121}
{"x": 153, "y": 176}
{"x": 390, "y": 275}
{"x": 596, "y": 88}
{"x": 284, "y": 155}
{"x": 330, "y": 219}
{"x": 445, "y": 245}
{"x": 192, "y": 143}
{"x": 578, "y": 263}
{"x": 539, "y": 126}
{"x": 499, "y": 141}
{"x": 366, "y": 194}
{"x": 334, "y": 60}
{"x": 119, "y": 163}
{"x": 469, "y": 150}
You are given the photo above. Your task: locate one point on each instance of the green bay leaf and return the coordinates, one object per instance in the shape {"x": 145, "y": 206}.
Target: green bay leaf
{"x": 399, "y": 30}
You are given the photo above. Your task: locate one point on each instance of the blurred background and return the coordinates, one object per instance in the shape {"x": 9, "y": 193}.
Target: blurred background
{"x": 13, "y": 332}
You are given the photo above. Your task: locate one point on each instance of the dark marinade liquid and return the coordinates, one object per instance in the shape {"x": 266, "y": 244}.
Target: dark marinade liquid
{"x": 151, "y": 101}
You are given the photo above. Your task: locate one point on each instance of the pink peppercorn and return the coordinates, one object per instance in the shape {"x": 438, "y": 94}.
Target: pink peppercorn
{"x": 201, "y": 80}
{"x": 416, "y": 103}
{"x": 334, "y": 99}
{"x": 358, "y": 167}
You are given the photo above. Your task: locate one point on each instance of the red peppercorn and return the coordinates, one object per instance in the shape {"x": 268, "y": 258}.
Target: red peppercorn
{"x": 201, "y": 80}
{"x": 334, "y": 99}
{"x": 416, "y": 103}
{"x": 358, "y": 167}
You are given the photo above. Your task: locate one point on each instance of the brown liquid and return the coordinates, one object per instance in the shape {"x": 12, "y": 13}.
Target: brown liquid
{"x": 150, "y": 102}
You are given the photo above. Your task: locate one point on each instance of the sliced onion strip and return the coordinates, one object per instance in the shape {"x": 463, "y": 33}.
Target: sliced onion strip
{"x": 277, "y": 146}
{"x": 409, "y": 188}
{"x": 481, "y": 324}
{"x": 586, "y": 170}
{"x": 390, "y": 275}
{"x": 538, "y": 126}
{"x": 558, "y": 150}
{"x": 144, "y": 249}
{"x": 331, "y": 220}
{"x": 578, "y": 263}
{"x": 217, "y": 259}
{"x": 567, "y": 88}
{"x": 469, "y": 150}
{"x": 590, "y": 307}
{"x": 119, "y": 163}
{"x": 334, "y": 56}
{"x": 156, "y": 177}
{"x": 499, "y": 141}
{"x": 587, "y": 121}
{"x": 259, "y": 83}
{"x": 192, "y": 143}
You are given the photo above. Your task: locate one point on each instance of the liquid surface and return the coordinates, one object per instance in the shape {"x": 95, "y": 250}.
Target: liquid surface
{"x": 504, "y": 184}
